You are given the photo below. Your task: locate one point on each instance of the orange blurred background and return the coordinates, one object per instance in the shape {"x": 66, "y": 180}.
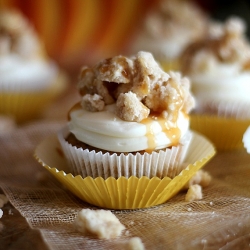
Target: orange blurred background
{"x": 77, "y": 32}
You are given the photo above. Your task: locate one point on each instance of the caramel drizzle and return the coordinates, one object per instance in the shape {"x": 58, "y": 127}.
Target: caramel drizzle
{"x": 75, "y": 107}
{"x": 173, "y": 133}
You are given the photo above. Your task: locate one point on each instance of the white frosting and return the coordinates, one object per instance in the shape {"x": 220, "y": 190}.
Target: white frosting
{"x": 18, "y": 74}
{"x": 106, "y": 131}
{"x": 222, "y": 82}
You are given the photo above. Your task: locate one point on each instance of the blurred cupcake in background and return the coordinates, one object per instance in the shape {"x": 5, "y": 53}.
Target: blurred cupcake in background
{"x": 219, "y": 69}
{"x": 29, "y": 80}
{"x": 168, "y": 29}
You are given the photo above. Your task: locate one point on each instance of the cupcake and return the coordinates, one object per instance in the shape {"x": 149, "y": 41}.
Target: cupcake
{"x": 127, "y": 142}
{"x": 218, "y": 67}
{"x": 168, "y": 29}
{"x": 130, "y": 110}
{"x": 29, "y": 79}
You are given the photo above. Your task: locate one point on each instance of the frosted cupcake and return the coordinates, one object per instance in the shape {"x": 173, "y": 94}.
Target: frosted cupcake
{"x": 28, "y": 78}
{"x": 127, "y": 144}
{"x": 219, "y": 69}
{"x": 168, "y": 29}
{"x": 130, "y": 111}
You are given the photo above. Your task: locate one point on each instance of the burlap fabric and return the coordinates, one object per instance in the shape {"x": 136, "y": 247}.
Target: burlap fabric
{"x": 221, "y": 220}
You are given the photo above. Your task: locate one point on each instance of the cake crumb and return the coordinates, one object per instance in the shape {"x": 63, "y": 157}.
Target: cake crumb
{"x": 101, "y": 223}
{"x": 201, "y": 177}
{"x": 92, "y": 103}
{"x": 135, "y": 243}
{"x": 194, "y": 193}
{"x": 137, "y": 85}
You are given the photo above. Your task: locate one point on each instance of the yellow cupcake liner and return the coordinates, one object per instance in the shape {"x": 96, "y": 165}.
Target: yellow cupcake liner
{"x": 24, "y": 106}
{"x": 225, "y": 133}
{"x": 123, "y": 193}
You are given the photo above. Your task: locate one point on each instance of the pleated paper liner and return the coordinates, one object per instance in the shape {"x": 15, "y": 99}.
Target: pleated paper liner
{"x": 85, "y": 162}
{"x": 123, "y": 193}
{"x": 26, "y": 105}
{"x": 225, "y": 133}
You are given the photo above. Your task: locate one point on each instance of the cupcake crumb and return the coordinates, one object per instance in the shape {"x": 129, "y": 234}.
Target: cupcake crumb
{"x": 202, "y": 177}
{"x": 194, "y": 193}
{"x": 137, "y": 85}
{"x": 93, "y": 103}
{"x": 100, "y": 223}
{"x": 135, "y": 243}
{"x": 127, "y": 233}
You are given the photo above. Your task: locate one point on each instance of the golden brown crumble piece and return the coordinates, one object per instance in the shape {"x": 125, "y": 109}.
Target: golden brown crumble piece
{"x": 137, "y": 85}
{"x": 18, "y": 36}
{"x": 92, "y": 103}
{"x": 171, "y": 16}
{"x": 225, "y": 43}
{"x": 116, "y": 69}
{"x": 129, "y": 108}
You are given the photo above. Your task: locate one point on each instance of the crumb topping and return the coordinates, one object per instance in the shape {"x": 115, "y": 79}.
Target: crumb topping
{"x": 17, "y": 35}
{"x": 224, "y": 43}
{"x": 137, "y": 85}
{"x": 169, "y": 17}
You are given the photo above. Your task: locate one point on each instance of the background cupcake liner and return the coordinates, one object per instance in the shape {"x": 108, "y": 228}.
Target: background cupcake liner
{"x": 123, "y": 193}
{"x": 225, "y": 133}
{"x": 26, "y": 105}
{"x": 236, "y": 110}
{"x": 89, "y": 163}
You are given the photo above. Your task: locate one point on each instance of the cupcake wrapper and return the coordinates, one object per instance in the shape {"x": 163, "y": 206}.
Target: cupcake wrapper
{"x": 225, "y": 109}
{"x": 225, "y": 133}
{"x": 123, "y": 193}
{"x": 89, "y": 163}
{"x": 26, "y": 105}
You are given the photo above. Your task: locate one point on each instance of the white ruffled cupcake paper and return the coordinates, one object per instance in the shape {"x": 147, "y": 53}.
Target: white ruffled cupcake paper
{"x": 97, "y": 164}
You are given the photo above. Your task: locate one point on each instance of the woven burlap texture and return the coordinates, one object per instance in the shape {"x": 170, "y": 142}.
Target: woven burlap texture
{"x": 221, "y": 220}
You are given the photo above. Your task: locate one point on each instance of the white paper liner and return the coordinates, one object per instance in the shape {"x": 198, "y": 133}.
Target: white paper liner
{"x": 237, "y": 110}
{"x": 89, "y": 163}
{"x": 246, "y": 140}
